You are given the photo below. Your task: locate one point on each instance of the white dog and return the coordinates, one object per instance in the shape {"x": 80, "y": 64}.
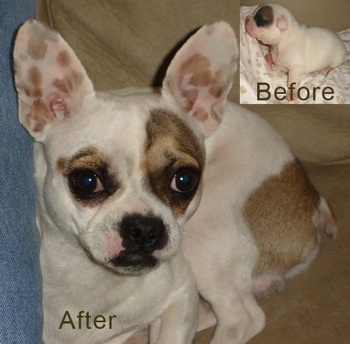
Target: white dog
{"x": 296, "y": 49}
{"x": 120, "y": 175}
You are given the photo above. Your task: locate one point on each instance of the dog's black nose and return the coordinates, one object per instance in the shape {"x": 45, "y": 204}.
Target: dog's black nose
{"x": 143, "y": 233}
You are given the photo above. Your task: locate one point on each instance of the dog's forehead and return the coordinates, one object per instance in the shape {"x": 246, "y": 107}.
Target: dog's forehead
{"x": 165, "y": 130}
{"x": 127, "y": 133}
{"x": 264, "y": 15}
{"x": 108, "y": 124}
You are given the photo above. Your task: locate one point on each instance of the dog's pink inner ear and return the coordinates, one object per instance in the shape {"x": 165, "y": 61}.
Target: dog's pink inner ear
{"x": 202, "y": 89}
{"x": 200, "y": 76}
{"x": 282, "y": 23}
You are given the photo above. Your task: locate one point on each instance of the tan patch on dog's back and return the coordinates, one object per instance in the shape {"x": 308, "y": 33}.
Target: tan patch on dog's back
{"x": 279, "y": 215}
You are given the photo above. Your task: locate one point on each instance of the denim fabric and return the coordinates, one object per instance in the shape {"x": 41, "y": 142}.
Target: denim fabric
{"x": 20, "y": 277}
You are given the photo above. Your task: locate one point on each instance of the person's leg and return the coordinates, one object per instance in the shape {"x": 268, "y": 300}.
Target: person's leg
{"x": 20, "y": 277}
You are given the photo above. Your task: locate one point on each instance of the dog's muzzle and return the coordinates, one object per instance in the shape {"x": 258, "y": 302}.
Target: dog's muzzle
{"x": 141, "y": 235}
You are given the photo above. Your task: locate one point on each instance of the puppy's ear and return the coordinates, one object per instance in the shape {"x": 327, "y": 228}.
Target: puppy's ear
{"x": 50, "y": 80}
{"x": 282, "y": 23}
{"x": 199, "y": 77}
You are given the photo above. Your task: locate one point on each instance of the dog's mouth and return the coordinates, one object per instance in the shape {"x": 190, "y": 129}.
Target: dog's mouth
{"x": 134, "y": 262}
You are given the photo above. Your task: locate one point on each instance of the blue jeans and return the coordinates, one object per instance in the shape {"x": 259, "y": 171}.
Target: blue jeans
{"x": 20, "y": 277}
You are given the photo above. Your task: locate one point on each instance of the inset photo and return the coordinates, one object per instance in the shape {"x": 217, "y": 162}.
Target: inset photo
{"x": 294, "y": 52}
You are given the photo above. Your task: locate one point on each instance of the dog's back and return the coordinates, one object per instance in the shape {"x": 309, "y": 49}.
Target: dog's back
{"x": 259, "y": 216}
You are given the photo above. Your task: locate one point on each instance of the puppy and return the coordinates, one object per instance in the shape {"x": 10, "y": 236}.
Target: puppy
{"x": 296, "y": 49}
{"x": 120, "y": 175}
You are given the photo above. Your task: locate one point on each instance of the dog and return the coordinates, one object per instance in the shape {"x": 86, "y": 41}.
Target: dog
{"x": 295, "y": 49}
{"x": 116, "y": 183}
{"x": 120, "y": 174}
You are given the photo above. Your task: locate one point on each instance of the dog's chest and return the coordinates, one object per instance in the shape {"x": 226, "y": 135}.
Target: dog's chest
{"x": 96, "y": 304}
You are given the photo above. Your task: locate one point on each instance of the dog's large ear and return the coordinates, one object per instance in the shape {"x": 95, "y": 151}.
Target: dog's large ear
{"x": 50, "y": 80}
{"x": 199, "y": 77}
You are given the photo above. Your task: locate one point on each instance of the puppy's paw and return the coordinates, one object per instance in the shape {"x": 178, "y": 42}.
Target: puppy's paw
{"x": 269, "y": 60}
{"x": 325, "y": 71}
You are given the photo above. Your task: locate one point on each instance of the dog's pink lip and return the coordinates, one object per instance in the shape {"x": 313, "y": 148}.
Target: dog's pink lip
{"x": 114, "y": 244}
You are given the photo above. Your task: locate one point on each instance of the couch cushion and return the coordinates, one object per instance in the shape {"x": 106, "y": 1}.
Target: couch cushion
{"x": 130, "y": 43}
{"x": 125, "y": 43}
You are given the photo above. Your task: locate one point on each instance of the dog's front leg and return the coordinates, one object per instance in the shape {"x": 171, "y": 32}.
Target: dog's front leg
{"x": 178, "y": 322}
{"x": 295, "y": 74}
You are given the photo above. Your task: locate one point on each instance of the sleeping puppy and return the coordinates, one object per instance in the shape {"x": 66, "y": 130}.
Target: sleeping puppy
{"x": 296, "y": 49}
{"x": 120, "y": 174}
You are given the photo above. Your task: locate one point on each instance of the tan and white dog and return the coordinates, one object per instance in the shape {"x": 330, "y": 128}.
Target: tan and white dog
{"x": 119, "y": 176}
{"x": 296, "y": 49}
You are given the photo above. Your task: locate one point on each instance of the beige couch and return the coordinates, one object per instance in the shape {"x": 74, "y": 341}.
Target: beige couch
{"x": 129, "y": 43}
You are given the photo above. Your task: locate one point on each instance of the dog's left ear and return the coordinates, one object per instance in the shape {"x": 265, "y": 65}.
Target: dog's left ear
{"x": 50, "y": 80}
{"x": 282, "y": 23}
{"x": 199, "y": 77}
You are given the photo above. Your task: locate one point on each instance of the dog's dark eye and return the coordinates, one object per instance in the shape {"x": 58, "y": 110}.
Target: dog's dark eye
{"x": 185, "y": 180}
{"x": 86, "y": 182}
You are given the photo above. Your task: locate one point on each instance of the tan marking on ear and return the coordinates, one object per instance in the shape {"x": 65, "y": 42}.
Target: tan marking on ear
{"x": 65, "y": 85}
{"x": 35, "y": 79}
{"x": 201, "y": 65}
{"x": 279, "y": 215}
{"x": 170, "y": 145}
{"x": 63, "y": 59}
{"x": 202, "y": 77}
{"x": 37, "y": 49}
{"x": 217, "y": 90}
{"x": 40, "y": 115}
{"x": 201, "y": 114}
{"x": 191, "y": 96}
{"x": 68, "y": 83}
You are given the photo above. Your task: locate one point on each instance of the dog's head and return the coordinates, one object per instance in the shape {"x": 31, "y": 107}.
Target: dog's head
{"x": 121, "y": 174}
{"x": 268, "y": 23}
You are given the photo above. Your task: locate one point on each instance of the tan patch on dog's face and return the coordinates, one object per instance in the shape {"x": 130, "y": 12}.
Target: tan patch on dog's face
{"x": 88, "y": 164}
{"x": 171, "y": 147}
{"x": 279, "y": 215}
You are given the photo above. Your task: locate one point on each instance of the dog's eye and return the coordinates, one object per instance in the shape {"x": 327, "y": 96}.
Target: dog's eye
{"x": 185, "y": 180}
{"x": 86, "y": 182}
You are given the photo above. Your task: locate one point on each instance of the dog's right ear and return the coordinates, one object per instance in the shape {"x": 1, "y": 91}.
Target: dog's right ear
{"x": 50, "y": 80}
